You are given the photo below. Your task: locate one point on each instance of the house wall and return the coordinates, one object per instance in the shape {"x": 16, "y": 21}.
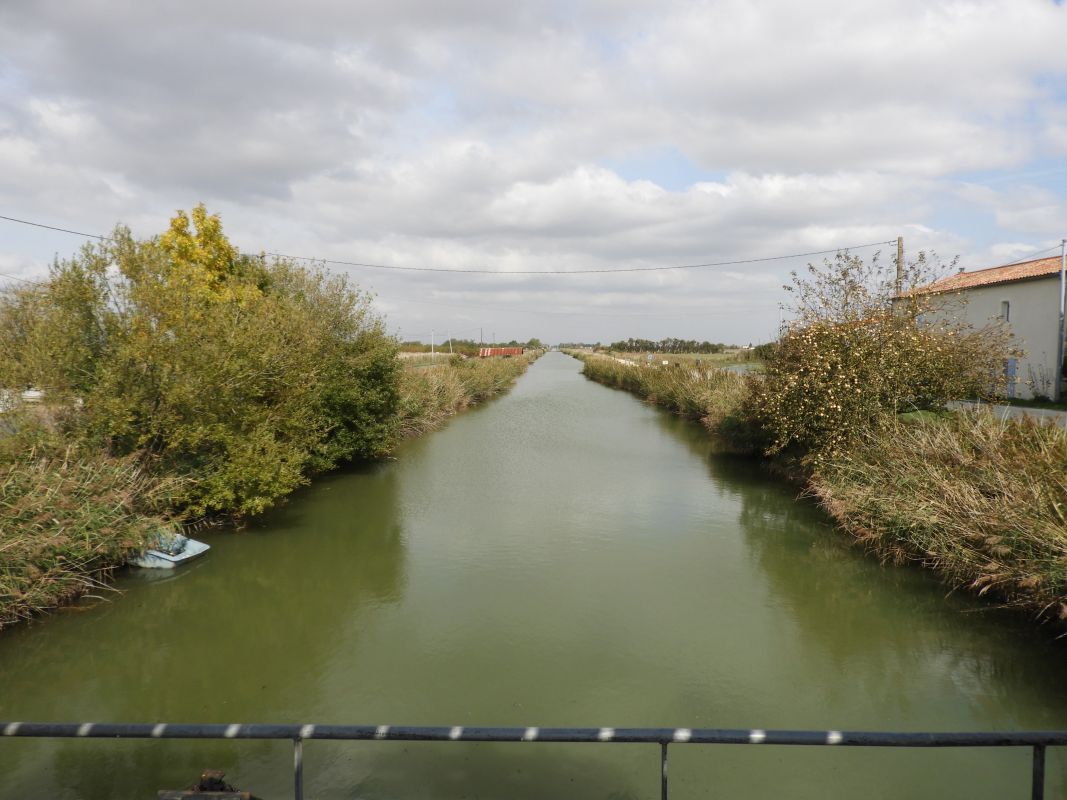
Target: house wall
{"x": 1034, "y": 320}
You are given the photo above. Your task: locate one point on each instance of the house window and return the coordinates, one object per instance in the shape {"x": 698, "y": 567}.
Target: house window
{"x": 1005, "y": 310}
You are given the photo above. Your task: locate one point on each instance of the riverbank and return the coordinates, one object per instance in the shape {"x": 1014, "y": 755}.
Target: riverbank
{"x": 66, "y": 524}
{"x": 430, "y": 395}
{"x": 69, "y": 521}
{"x": 543, "y": 560}
{"x": 980, "y": 500}
{"x": 711, "y": 396}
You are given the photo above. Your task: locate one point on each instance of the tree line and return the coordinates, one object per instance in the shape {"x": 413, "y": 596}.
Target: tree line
{"x": 468, "y": 347}
{"x": 668, "y": 345}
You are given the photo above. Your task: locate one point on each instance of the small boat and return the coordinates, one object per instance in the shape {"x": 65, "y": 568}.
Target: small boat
{"x": 170, "y": 550}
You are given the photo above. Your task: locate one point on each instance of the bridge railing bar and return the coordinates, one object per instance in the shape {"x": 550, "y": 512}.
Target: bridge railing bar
{"x": 663, "y": 771}
{"x": 1037, "y": 783}
{"x": 298, "y": 734}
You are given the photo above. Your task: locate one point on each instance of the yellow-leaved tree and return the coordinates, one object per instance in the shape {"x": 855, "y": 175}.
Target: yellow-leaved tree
{"x": 236, "y": 374}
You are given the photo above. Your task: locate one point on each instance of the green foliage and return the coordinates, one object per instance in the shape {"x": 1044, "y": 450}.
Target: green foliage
{"x": 668, "y": 345}
{"x": 765, "y": 351}
{"x": 236, "y": 374}
{"x": 467, "y": 347}
{"x": 854, "y": 358}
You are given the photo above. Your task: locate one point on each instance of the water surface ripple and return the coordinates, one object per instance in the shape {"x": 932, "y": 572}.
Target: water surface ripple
{"x": 565, "y": 556}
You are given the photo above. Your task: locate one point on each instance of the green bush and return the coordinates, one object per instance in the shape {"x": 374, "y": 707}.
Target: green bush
{"x": 829, "y": 381}
{"x": 238, "y": 374}
{"x": 854, "y": 357}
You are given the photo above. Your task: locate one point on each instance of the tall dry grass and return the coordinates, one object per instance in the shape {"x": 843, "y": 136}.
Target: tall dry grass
{"x": 712, "y": 396}
{"x": 65, "y": 524}
{"x": 429, "y": 396}
{"x": 981, "y": 500}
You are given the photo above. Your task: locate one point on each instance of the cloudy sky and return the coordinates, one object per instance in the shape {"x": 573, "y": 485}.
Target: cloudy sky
{"x": 519, "y": 136}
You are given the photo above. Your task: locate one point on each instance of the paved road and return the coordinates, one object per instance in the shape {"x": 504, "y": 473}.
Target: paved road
{"x": 1014, "y": 412}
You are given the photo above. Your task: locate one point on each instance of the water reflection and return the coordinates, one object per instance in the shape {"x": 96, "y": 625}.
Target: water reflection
{"x": 429, "y": 771}
{"x": 247, "y": 634}
{"x": 564, "y": 556}
{"x": 893, "y": 622}
{"x": 877, "y": 646}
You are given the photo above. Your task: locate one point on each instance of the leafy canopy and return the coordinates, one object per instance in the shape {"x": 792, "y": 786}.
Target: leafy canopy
{"x": 238, "y": 374}
{"x": 857, "y": 353}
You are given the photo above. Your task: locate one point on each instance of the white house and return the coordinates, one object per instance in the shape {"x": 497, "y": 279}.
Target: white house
{"x": 1028, "y": 297}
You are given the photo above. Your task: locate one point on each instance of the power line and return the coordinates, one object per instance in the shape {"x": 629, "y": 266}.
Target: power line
{"x": 23, "y": 280}
{"x": 486, "y": 271}
{"x": 1025, "y": 258}
{"x": 54, "y": 228}
{"x": 482, "y": 271}
{"x": 651, "y": 315}
{"x": 582, "y": 313}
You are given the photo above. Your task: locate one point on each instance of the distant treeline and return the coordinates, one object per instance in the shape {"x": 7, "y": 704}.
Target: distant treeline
{"x": 467, "y": 347}
{"x": 668, "y": 345}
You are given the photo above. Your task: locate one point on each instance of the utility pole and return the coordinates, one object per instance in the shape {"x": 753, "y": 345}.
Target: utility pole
{"x": 1058, "y": 393}
{"x": 432, "y": 354}
{"x": 900, "y": 265}
{"x": 449, "y": 343}
{"x": 481, "y": 337}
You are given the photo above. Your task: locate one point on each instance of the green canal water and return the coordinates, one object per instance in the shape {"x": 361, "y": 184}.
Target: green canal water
{"x": 565, "y": 556}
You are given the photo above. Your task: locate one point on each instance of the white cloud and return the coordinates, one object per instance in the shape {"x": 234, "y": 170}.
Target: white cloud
{"x": 477, "y": 133}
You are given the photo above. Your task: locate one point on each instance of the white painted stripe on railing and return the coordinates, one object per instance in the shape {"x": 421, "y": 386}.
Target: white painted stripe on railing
{"x": 455, "y": 733}
{"x": 757, "y": 736}
{"x": 85, "y": 728}
{"x": 159, "y": 730}
{"x": 11, "y": 728}
{"x": 833, "y": 737}
{"x": 683, "y": 735}
{"x": 606, "y": 734}
{"x": 232, "y": 731}
{"x": 530, "y": 735}
{"x": 381, "y": 732}
{"x": 307, "y": 731}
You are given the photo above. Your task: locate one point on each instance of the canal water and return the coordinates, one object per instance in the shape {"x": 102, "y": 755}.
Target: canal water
{"x": 565, "y": 556}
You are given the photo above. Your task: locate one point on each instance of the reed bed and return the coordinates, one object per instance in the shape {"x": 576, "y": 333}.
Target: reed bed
{"x": 65, "y": 524}
{"x": 712, "y": 396}
{"x": 429, "y": 396}
{"x": 981, "y": 500}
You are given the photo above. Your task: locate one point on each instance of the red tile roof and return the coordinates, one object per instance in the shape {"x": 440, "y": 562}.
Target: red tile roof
{"x": 1037, "y": 268}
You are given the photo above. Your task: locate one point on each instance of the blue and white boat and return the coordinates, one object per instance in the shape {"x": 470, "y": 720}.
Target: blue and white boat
{"x": 168, "y": 551}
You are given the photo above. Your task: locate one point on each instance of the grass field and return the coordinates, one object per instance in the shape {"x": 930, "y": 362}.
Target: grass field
{"x": 730, "y": 358}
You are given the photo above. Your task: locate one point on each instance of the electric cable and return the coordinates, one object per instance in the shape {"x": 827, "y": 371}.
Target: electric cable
{"x": 486, "y": 271}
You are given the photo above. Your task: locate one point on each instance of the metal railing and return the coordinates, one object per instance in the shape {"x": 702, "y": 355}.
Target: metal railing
{"x": 664, "y": 737}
